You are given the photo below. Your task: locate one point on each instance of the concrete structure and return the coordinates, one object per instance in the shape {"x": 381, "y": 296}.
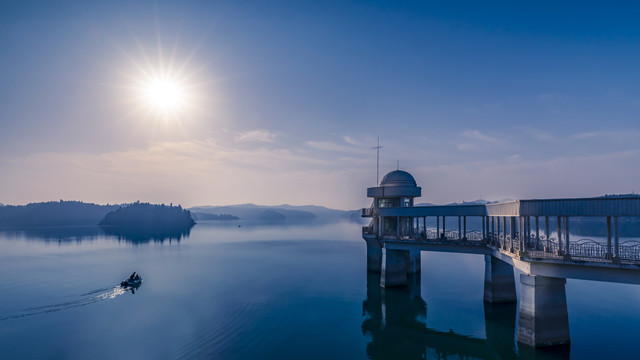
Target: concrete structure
{"x": 398, "y": 232}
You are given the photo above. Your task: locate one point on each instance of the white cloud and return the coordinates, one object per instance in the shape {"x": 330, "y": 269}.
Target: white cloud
{"x": 331, "y": 146}
{"x": 187, "y": 172}
{"x": 615, "y": 135}
{"x": 260, "y": 135}
{"x": 477, "y": 135}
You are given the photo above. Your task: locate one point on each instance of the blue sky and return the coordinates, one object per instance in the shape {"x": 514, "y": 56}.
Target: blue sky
{"x": 497, "y": 100}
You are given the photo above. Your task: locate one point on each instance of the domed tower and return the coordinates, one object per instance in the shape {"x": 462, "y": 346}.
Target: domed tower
{"x": 397, "y": 190}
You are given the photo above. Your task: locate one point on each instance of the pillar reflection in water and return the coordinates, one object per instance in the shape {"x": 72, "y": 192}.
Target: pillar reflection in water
{"x": 395, "y": 324}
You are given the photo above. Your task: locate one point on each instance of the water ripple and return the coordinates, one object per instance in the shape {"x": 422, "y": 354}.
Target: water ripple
{"x": 87, "y": 298}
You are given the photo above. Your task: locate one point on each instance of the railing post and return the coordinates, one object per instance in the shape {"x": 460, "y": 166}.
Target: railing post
{"x": 567, "y": 249}
{"x": 559, "y": 236}
{"x": 609, "y": 254}
{"x": 616, "y": 247}
{"x": 537, "y": 233}
{"x": 521, "y": 234}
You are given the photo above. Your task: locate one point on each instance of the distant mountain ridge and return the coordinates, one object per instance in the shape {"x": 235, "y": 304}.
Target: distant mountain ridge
{"x": 53, "y": 213}
{"x": 279, "y": 213}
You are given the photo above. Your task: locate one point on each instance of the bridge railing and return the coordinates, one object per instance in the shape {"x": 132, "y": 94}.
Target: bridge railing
{"x": 452, "y": 234}
{"x": 586, "y": 249}
{"x": 630, "y": 250}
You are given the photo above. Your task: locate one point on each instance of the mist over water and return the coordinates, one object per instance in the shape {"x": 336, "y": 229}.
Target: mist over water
{"x": 260, "y": 291}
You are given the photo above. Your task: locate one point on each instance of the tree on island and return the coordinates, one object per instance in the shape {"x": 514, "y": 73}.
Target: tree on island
{"x": 148, "y": 216}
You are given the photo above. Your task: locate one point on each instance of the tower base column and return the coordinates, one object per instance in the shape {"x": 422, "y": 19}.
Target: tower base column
{"x": 413, "y": 263}
{"x": 374, "y": 255}
{"x": 394, "y": 268}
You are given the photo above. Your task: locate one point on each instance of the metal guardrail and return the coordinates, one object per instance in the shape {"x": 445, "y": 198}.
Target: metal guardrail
{"x": 367, "y": 212}
{"x": 542, "y": 247}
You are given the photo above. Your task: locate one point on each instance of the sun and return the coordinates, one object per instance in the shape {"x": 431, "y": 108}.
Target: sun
{"x": 164, "y": 95}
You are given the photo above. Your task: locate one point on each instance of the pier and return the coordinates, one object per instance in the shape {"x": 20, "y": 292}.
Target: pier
{"x": 514, "y": 234}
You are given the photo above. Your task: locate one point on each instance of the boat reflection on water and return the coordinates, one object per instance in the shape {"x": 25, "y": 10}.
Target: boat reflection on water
{"x": 396, "y": 324}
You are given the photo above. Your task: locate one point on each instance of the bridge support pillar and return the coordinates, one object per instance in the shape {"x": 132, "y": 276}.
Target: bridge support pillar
{"x": 543, "y": 318}
{"x": 394, "y": 268}
{"x": 499, "y": 286}
{"x": 374, "y": 255}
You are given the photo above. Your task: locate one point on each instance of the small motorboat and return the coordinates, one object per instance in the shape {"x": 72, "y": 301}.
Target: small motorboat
{"x": 132, "y": 282}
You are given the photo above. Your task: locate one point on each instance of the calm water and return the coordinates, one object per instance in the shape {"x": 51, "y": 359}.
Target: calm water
{"x": 270, "y": 292}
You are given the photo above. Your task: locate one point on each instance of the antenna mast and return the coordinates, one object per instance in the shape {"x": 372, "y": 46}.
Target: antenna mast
{"x": 377, "y": 161}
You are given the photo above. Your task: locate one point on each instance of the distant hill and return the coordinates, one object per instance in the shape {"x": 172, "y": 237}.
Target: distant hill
{"x": 53, "y": 213}
{"x": 281, "y": 213}
{"x": 207, "y": 216}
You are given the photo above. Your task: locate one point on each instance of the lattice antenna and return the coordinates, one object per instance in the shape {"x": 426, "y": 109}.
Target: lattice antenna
{"x": 378, "y": 147}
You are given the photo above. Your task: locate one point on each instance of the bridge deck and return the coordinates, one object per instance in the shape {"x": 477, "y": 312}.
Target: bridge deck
{"x": 533, "y": 262}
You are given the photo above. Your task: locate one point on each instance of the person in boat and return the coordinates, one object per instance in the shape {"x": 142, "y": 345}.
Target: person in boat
{"x": 137, "y": 277}
{"x": 132, "y": 276}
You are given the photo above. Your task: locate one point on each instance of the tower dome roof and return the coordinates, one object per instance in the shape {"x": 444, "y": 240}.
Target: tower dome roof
{"x": 398, "y": 178}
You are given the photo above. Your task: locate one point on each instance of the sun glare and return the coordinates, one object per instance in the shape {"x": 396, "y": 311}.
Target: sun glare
{"x": 164, "y": 95}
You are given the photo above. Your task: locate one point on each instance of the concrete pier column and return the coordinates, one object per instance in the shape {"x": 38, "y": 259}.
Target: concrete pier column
{"x": 527, "y": 232}
{"x": 374, "y": 255}
{"x": 512, "y": 227}
{"x": 459, "y": 228}
{"x": 484, "y": 231}
{"x": 437, "y": 227}
{"x": 504, "y": 231}
{"x": 493, "y": 228}
{"x": 499, "y": 232}
{"x": 543, "y": 318}
{"x": 547, "y": 233}
{"x": 464, "y": 227}
{"x": 499, "y": 286}
{"x": 413, "y": 262}
{"x": 444, "y": 227}
{"x": 394, "y": 268}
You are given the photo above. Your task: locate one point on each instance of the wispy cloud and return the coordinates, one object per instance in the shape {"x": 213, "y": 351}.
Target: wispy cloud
{"x": 341, "y": 148}
{"x": 473, "y": 140}
{"x": 607, "y": 134}
{"x": 260, "y": 135}
{"x": 187, "y": 172}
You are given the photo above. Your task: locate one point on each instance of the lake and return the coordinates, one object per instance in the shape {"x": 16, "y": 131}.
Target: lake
{"x": 270, "y": 291}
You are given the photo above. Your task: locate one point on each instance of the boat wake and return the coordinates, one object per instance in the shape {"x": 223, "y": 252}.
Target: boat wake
{"x": 87, "y": 298}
